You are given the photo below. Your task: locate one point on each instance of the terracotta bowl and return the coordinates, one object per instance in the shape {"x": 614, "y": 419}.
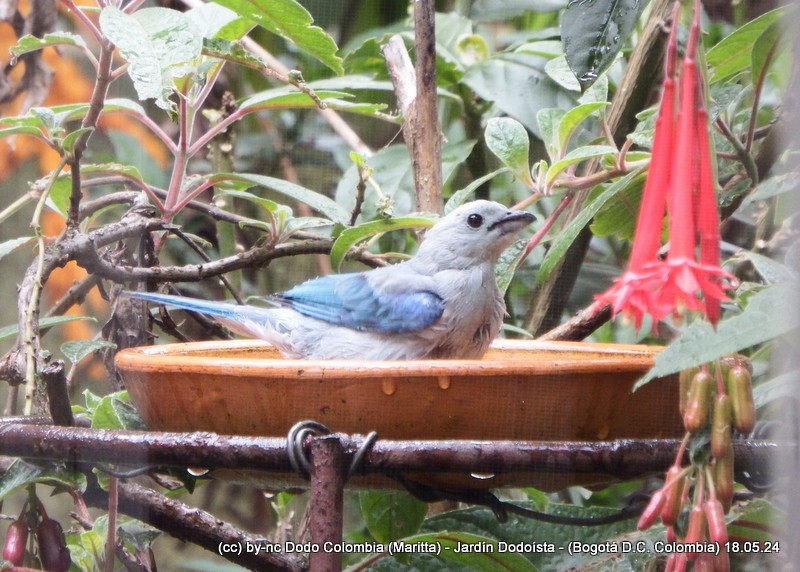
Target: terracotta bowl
{"x": 520, "y": 390}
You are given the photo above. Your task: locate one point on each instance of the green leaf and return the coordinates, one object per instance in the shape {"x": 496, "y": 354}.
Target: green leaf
{"x": 8, "y": 332}
{"x": 21, "y": 473}
{"x": 460, "y": 197}
{"x": 292, "y": 22}
{"x": 315, "y": 200}
{"x": 232, "y": 52}
{"x": 69, "y": 141}
{"x": 593, "y": 33}
{"x": 493, "y": 10}
{"x": 58, "y": 198}
{"x": 18, "y": 474}
{"x": 576, "y": 156}
{"x": 574, "y": 117}
{"x": 160, "y": 44}
{"x": 349, "y": 237}
{"x": 559, "y": 71}
{"x": 290, "y": 98}
{"x": 567, "y": 235}
{"x": 508, "y": 140}
{"x": 391, "y": 515}
{"x": 116, "y": 412}
{"x": 76, "y": 350}
{"x": 454, "y": 548}
{"x": 618, "y": 217}
{"x": 764, "y": 50}
{"x": 769, "y": 314}
{"x": 507, "y": 264}
{"x": 771, "y": 272}
{"x": 526, "y": 87}
{"x": 775, "y": 389}
{"x": 30, "y": 43}
{"x": 14, "y": 244}
{"x": 215, "y": 21}
{"x": 548, "y": 121}
{"x": 733, "y": 54}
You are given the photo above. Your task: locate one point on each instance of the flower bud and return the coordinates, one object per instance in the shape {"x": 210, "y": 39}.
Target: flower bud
{"x": 684, "y": 384}
{"x": 704, "y": 563}
{"x": 673, "y": 491}
{"x": 652, "y": 510}
{"x": 715, "y": 516}
{"x": 721, "y": 426}
{"x": 696, "y": 414}
{"x": 696, "y": 529}
{"x": 741, "y": 391}
{"x": 722, "y": 563}
{"x": 53, "y": 550}
{"x": 676, "y": 562}
{"x": 722, "y": 472}
{"x": 16, "y": 539}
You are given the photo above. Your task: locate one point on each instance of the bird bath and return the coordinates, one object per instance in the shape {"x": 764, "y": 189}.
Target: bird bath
{"x": 520, "y": 390}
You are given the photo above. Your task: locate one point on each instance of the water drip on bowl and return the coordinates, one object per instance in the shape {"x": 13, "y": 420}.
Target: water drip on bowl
{"x": 388, "y": 386}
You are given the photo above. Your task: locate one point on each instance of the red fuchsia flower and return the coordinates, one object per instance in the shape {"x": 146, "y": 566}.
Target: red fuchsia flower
{"x": 632, "y": 293}
{"x": 680, "y": 179}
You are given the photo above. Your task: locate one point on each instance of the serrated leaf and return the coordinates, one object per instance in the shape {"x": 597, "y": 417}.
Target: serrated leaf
{"x": 594, "y": 31}
{"x": 576, "y": 156}
{"x": 292, "y": 22}
{"x": 116, "y": 412}
{"x": 9, "y": 246}
{"x": 30, "y": 43}
{"x": 391, "y": 515}
{"x": 460, "y": 197}
{"x": 215, "y": 21}
{"x": 76, "y": 350}
{"x": 159, "y": 44}
{"x": 733, "y": 54}
{"x": 566, "y": 236}
{"x": 508, "y": 140}
{"x": 349, "y": 237}
{"x": 8, "y": 332}
{"x": 769, "y": 314}
{"x": 315, "y": 200}
{"x": 573, "y": 118}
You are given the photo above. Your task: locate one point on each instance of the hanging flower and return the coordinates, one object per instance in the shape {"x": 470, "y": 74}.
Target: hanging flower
{"x": 680, "y": 180}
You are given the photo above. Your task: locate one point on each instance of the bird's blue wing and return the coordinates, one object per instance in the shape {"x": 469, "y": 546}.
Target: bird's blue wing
{"x": 350, "y": 300}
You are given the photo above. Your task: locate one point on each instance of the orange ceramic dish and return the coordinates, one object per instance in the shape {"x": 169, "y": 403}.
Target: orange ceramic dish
{"x": 520, "y": 390}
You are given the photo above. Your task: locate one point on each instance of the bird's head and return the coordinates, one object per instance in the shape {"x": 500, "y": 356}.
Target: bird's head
{"x": 474, "y": 232}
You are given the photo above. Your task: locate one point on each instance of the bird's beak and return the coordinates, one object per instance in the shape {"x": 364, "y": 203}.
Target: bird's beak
{"x": 513, "y": 221}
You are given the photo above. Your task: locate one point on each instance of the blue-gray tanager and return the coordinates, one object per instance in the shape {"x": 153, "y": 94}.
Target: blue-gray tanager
{"x": 442, "y": 303}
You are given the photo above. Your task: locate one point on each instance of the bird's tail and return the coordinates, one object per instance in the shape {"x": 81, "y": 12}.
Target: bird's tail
{"x": 218, "y": 309}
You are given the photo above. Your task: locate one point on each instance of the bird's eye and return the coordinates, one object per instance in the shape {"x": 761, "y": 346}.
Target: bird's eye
{"x": 474, "y": 220}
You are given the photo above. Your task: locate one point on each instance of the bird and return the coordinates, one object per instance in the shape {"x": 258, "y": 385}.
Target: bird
{"x": 442, "y": 303}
